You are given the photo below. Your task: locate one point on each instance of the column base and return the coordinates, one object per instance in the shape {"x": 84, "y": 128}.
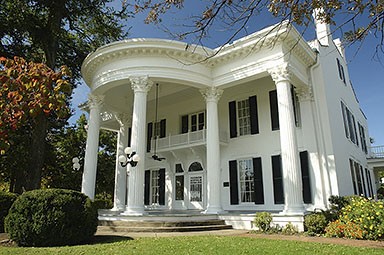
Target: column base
{"x": 138, "y": 211}
{"x": 293, "y": 210}
{"x": 214, "y": 210}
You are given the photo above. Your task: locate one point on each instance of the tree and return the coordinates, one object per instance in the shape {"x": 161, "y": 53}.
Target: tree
{"x": 69, "y": 142}
{"x": 54, "y": 32}
{"x": 30, "y": 93}
{"x": 359, "y": 18}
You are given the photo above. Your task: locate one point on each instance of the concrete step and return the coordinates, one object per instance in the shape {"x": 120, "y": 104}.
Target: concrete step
{"x": 162, "y": 229}
{"x": 161, "y": 226}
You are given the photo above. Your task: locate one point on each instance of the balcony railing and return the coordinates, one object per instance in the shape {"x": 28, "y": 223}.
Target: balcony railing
{"x": 184, "y": 140}
{"x": 377, "y": 151}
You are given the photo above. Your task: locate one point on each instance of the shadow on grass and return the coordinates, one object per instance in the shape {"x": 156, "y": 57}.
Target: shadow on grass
{"x": 100, "y": 239}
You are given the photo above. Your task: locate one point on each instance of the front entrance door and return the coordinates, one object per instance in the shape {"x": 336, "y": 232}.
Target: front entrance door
{"x": 196, "y": 195}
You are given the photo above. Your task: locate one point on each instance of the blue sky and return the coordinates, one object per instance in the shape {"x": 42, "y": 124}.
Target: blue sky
{"x": 366, "y": 73}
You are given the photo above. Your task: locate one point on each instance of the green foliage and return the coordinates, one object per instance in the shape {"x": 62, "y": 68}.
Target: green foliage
{"x": 289, "y": 229}
{"x": 315, "y": 223}
{"x": 51, "y": 217}
{"x": 6, "y": 201}
{"x": 69, "y": 142}
{"x": 103, "y": 201}
{"x": 263, "y": 221}
{"x": 342, "y": 229}
{"x": 362, "y": 218}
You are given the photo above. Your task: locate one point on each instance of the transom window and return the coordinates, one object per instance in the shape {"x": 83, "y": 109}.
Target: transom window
{"x": 244, "y": 118}
{"x": 246, "y": 180}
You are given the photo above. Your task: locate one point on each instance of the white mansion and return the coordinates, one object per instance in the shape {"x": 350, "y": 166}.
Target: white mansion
{"x": 269, "y": 123}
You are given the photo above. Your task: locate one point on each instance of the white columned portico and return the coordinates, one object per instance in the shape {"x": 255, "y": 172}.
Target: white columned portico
{"x": 212, "y": 96}
{"x": 140, "y": 85}
{"x": 92, "y": 146}
{"x": 121, "y": 172}
{"x": 292, "y": 181}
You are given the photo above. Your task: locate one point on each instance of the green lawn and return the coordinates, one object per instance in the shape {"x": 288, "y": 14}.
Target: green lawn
{"x": 196, "y": 245}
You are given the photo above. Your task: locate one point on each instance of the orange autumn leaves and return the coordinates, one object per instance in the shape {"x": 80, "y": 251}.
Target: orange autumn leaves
{"x": 28, "y": 90}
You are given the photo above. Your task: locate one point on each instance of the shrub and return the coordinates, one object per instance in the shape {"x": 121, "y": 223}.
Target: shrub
{"x": 103, "y": 201}
{"x": 290, "y": 229}
{"x": 6, "y": 201}
{"x": 344, "y": 229}
{"x": 367, "y": 214}
{"x": 51, "y": 217}
{"x": 315, "y": 223}
{"x": 263, "y": 221}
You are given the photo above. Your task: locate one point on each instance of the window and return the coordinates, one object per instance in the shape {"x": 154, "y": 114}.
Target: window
{"x": 369, "y": 181}
{"x": 155, "y": 130}
{"x": 341, "y": 70}
{"x": 304, "y": 163}
{"x": 179, "y": 187}
{"x": 192, "y": 122}
{"x": 154, "y": 187}
{"x": 357, "y": 178}
{"x": 363, "y": 141}
{"x": 243, "y": 117}
{"x": 244, "y": 120}
{"x": 195, "y": 167}
{"x": 179, "y": 182}
{"x": 246, "y": 181}
{"x": 349, "y": 124}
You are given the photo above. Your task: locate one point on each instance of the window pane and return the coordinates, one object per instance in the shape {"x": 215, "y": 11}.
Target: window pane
{"x": 244, "y": 118}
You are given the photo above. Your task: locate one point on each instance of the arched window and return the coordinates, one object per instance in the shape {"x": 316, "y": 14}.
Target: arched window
{"x": 195, "y": 166}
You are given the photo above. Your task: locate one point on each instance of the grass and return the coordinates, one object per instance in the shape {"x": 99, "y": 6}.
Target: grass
{"x": 195, "y": 245}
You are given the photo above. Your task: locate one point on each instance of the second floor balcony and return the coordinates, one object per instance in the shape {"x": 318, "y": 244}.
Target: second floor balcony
{"x": 377, "y": 152}
{"x": 181, "y": 141}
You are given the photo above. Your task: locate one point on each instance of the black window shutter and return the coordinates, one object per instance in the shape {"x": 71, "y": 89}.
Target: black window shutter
{"x": 162, "y": 186}
{"x": 293, "y": 95}
{"x": 129, "y": 136}
{"x": 184, "y": 124}
{"x": 258, "y": 181}
{"x": 149, "y": 136}
{"x": 232, "y": 119}
{"x": 162, "y": 128}
{"x": 307, "y": 195}
{"x": 147, "y": 188}
{"x": 278, "y": 189}
{"x": 233, "y": 185}
{"x": 254, "y": 115}
{"x": 274, "y": 110}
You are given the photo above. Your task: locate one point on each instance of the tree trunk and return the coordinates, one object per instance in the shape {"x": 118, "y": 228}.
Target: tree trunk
{"x": 33, "y": 173}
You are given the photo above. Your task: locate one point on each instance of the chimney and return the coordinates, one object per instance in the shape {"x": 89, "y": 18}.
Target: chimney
{"x": 323, "y": 30}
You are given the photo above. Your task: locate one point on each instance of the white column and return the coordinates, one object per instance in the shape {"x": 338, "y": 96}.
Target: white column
{"x": 92, "y": 146}
{"x": 212, "y": 96}
{"x": 121, "y": 172}
{"x": 292, "y": 180}
{"x": 140, "y": 85}
{"x": 311, "y": 134}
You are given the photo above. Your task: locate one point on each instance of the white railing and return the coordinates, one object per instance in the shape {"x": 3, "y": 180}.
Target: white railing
{"x": 377, "y": 151}
{"x": 187, "y": 139}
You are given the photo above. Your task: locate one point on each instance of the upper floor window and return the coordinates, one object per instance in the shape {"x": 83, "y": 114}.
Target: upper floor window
{"x": 193, "y": 122}
{"x": 341, "y": 70}
{"x": 349, "y": 124}
{"x": 243, "y": 117}
{"x": 362, "y": 138}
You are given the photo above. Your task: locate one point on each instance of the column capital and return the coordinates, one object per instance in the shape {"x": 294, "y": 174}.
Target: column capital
{"x": 305, "y": 93}
{"x": 95, "y": 101}
{"x": 140, "y": 83}
{"x": 123, "y": 118}
{"x": 211, "y": 94}
{"x": 280, "y": 73}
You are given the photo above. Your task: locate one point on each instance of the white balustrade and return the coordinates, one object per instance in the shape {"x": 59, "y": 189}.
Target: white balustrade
{"x": 377, "y": 151}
